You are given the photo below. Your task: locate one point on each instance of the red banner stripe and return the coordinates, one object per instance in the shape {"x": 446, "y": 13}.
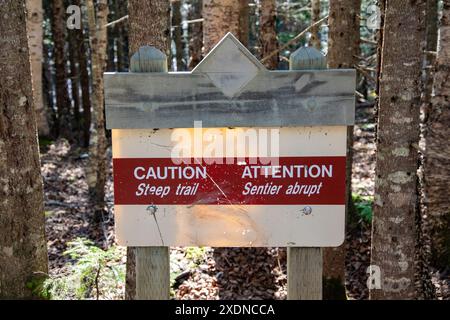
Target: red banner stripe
{"x": 293, "y": 181}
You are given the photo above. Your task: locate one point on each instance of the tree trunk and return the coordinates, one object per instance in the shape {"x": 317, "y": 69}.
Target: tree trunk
{"x": 75, "y": 83}
{"x": 424, "y": 283}
{"x": 244, "y": 22}
{"x": 379, "y": 35}
{"x": 149, "y": 24}
{"x": 437, "y": 152}
{"x": 111, "y": 36}
{"x": 431, "y": 47}
{"x": 343, "y": 46}
{"x": 268, "y": 34}
{"x": 130, "y": 280}
{"x": 195, "y": 34}
{"x": 122, "y": 40}
{"x": 314, "y": 41}
{"x": 220, "y": 17}
{"x": 47, "y": 73}
{"x": 62, "y": 98}
{"x": 35, "y": 42}
{"x": 254, "y": 13}
{"x": 343, "y": 36}
{"x": 82, "y": 45}
{"x": 48, "y": 92}
{"x": 177, "y": 32}
{"x": 396, "y": 201}
{"x": 96, "y": 171}
{"x": 144, "y": 30}
{"x": 23, "y": 250}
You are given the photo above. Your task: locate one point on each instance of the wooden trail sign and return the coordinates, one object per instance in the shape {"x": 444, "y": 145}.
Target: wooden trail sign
{"x": 230, "y": 154}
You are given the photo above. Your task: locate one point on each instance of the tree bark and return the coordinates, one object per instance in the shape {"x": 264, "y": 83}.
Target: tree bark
{"x": 220, "y": 17}
{"x": 47, "y": 74}
{"x": 268, "y": 33}
{"x": 432, "y": 20}
{"x": 111, "y": 36}
{"x": 343, "y": 47}
{"x": 146, "y": 31}
{"x": 195, "y": 34}
{"x": 244, "y": 22}
{"x": 62, "y": 98}
{"x": 130, "y": 280}
{"x": 177, "y": 32}
{"x": 35, "y": 43}
{"x": 254, "y": 13}
{"x": 122, "y": 40}
{"x": 75, "y": 84}
{"x": 314, "y": 41}
{"x": 424, "y": 284}
{"x": 149, "y": 24}
{"x": 82, "y": 45}
{"x": 343, "y": 37}
{"x": 437, "y": 152}
{"x": 396, "y": 201}
{"x": 96, "y": 171}
{"x": 379, "y": 35}
{"x": 23, "y": 250}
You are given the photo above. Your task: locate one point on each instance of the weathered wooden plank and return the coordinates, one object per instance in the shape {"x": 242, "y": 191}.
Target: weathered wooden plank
{"x": 280, "y": 98}
{"x": 304, "y": 265}
{"x": 304, "y": 273}
{"x": 152, "y": 263}
{"x": 152, "y": 273}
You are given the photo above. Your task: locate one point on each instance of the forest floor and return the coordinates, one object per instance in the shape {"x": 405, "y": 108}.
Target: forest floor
{"x": 196, "y": 273}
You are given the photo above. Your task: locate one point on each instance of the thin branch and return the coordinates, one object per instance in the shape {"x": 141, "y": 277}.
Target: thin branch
{"x": 115, "y": 22}
{"x": 371, "y": 57}
{"x": 293, "y": 40}
{"x": 367, "y": 68}
{"x": 365, "y": 74}
{"x": 188, "y": 22}
{"x": 369, "y": 41}
{"x": 359, "y": 94}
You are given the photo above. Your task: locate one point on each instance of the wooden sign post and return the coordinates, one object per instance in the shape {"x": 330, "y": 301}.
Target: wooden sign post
{"x": 304, "y": 265}
{"x": 230, "y": 154}
{"x": 152, "y": 263}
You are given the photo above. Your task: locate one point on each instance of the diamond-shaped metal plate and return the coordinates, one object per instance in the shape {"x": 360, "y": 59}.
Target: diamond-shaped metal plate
{"x": 230, "y": 66}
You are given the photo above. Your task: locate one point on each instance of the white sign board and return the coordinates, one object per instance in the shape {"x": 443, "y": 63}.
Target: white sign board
{"x": 243, "y": 156}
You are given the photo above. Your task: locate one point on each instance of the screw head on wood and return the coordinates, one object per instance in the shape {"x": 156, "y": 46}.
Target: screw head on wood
{"x": 307, "y": 210}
